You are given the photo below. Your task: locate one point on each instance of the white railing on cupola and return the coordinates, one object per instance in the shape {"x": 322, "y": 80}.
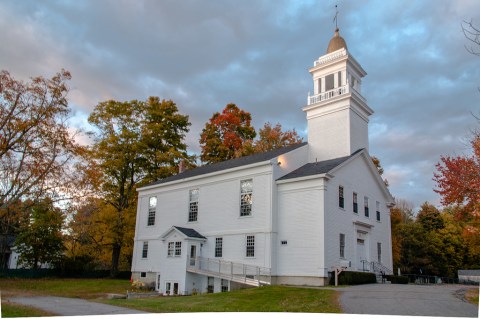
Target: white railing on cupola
{"x": 312, "y": 99}
{"x": 330, "y": 57}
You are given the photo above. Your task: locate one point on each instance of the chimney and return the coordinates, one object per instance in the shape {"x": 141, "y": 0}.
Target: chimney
{"x": 182, "y": 167}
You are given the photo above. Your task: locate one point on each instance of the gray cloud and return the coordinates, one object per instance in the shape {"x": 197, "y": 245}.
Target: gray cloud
{"x": 421, "y": 82}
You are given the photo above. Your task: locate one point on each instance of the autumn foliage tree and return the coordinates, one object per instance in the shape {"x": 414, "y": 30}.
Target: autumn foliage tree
{"x": 136, "y": 142}
{"x": 36, "y": 148}
{"x": 270, "y": 138}
{"x": 226, "y": 134}
{"x": 458, "y": 182}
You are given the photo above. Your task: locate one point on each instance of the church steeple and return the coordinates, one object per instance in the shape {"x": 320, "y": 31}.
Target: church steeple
{"x": 337, "y": 113}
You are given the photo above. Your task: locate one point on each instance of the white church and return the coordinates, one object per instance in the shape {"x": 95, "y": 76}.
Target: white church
{"x": 284, "y": 217}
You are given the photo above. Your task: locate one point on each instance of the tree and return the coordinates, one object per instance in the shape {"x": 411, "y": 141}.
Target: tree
{"x": 472, "y": 33}
{"x": 400, "y": 215}
{"x": 225, "y": 135}
{"x": 37, "y": 152}
{"x": 40, "y": 239}
{"x": 458, "y": 181}
{"x": 136, "y": 142}
{"x": 271, "y": 138}
{"x": 430, "y": 218}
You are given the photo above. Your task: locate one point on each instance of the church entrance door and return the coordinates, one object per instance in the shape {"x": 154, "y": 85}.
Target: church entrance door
{"x": 361, "y": 256}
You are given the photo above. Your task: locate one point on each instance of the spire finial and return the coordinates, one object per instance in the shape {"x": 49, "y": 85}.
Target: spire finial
{"x": 336, "y": 16}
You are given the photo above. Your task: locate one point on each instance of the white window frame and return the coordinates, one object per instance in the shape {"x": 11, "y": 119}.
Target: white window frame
{"x": 152, "y": 210}
{"x": 219, "y": 247}
{"x": 178, "y": 248}
{"x": 171, "y": 248}
{"x": 246, "y": 198}
{"x": 250, "y": 246}
{"x": 224, "y": 285}
{"x": 342, "y": 245}
{"x": 355, "y": 203}
{"x": 193, "y": 196}
{"x": 379, "y": 252}
{"x": 145, "y": 250}
{"x": 378, "y": 211}
{"x": 366, "y": 210}
{"x": 341, "y": 197}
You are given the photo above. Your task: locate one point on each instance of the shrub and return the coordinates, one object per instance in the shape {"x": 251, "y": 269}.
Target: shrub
{"x": 354, "y": 278}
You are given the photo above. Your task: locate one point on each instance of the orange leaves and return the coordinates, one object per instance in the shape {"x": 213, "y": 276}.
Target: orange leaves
{"x": 36, "y": 148}
{"x": 225, "y": 134}
{"x": 458, "y": 178}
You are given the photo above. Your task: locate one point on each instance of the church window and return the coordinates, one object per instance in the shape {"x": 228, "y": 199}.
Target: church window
{"x": 145, "y": 249}
{"x": 365, "y": 204}
{"x": 339, "y": 78}
{"x": 193, "y": 205}
{"x": 178, "y": 248}
{"x": 320, "y": 85}
{"x": 379, "y": 252}
{"x": 224, "y": 283}
{"x": 210, "y": 285}
{"x": 250, "y": 251}
{"x": 342, "y": 245}
{"x": 171, "y": 245}
{"x": 246, "y": 190}
{"x": 355, "y": 203}
{"x": 341, "y": 199}
{"x": 152, "y": 207}
{"x": 329, "y": 82}
{"x": 378, "y": 211}
{"x": 218, "y": 247}
{"x": 174, "y": 249}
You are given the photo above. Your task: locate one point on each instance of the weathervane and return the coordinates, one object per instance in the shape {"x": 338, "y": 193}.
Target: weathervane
{"x": 336, "y": 15}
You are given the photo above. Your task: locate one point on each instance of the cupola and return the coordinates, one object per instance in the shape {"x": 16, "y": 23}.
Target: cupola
{"x": 336, "y": 43}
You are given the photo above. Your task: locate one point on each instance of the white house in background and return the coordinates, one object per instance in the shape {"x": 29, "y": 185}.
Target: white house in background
{"x": 286, "y": 216}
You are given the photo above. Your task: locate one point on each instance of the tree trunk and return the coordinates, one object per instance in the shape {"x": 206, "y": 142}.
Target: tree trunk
{"x": 116, "y": 249}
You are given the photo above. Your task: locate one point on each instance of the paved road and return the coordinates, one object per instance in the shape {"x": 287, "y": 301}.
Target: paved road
{"x": 408, "y": 300}
{"x": 72, "y": 306}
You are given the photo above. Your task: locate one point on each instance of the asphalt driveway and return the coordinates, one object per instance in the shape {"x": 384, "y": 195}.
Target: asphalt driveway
{"x": 409, "y": 300}
{"x": 72, "y": 306}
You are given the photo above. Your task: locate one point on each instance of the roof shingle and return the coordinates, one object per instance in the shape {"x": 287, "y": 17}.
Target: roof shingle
{"x": 237, "y": 162}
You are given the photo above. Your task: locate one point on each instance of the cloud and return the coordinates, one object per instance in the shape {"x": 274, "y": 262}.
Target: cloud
{"x": 421, "y": 82}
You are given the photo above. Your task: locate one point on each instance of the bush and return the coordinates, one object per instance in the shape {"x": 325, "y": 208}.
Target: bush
{"x": 354, "y": 278}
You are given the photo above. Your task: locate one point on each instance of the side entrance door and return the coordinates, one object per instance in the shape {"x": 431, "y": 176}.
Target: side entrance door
{"x": 193, "y": 254}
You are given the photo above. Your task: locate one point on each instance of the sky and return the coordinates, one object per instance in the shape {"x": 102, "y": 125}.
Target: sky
{"x": 421, "y": 82}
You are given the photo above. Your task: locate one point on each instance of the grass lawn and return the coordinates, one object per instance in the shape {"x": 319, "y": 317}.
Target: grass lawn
{"x": 75, "y": 288}
{"x": 11, "y": 310}
{"x": 263, "y": 299}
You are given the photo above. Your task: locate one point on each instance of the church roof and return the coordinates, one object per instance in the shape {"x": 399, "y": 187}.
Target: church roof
{"x": 237, "y": 162}
{"x": 189, "y": 232}
{"x": 336, "y": 43}
{"x": 317, "y": 168}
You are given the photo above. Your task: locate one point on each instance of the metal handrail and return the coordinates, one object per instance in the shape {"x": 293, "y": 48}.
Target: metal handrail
{"x": 238, "y": 272}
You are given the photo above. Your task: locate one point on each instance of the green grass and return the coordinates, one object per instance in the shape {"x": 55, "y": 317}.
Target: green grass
{"x": 75, "y": 288}
{"x": 12, "y": 310}
{"x": 264, "y": 299}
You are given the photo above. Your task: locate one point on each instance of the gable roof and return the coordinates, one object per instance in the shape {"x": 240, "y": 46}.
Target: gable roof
{"x": 187, "y": 232}
{"x": 317, "y": 168}
{"x": 190, "y": 232}
{"x": 237, "y": 162}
